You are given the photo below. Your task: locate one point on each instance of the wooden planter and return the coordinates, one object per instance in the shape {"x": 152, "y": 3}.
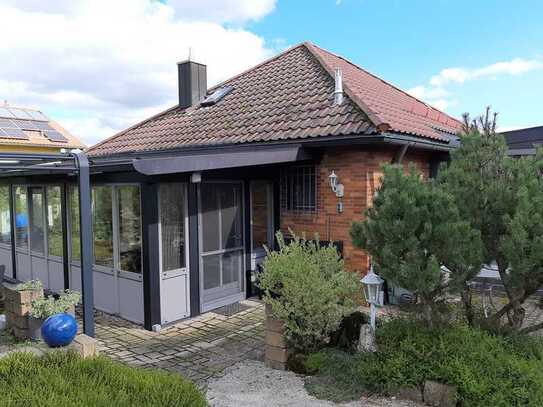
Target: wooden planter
{"x": 17, "y": 305}
{"x": 277, "y": 353}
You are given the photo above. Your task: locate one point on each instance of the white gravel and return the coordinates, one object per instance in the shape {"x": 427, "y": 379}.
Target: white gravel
{"x": 251, "y": 383}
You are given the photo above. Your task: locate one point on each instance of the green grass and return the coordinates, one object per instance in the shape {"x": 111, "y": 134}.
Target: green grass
{"x": 64, "y": 379}
{"x": 488, "y": 370}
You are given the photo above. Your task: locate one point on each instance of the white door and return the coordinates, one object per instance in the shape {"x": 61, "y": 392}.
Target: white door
{"x": 174, "y": 284}
{"x": 221, "y": 244}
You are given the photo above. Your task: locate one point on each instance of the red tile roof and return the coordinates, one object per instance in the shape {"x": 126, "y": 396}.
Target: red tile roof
{"x": 287, "y": 97}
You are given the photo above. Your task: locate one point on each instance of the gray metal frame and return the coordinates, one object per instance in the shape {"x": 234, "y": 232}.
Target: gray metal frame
{"x": 14, "y": 165}
{"x": 237, "y": 296}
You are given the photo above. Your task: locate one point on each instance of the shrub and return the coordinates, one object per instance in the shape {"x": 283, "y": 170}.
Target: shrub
{"x": 488, "y": 370}
{"x": 64, "y": 379}
{"x": 29, "y": 285}
{"x": 308, "y": 289}
{"x": 46, "y": 306}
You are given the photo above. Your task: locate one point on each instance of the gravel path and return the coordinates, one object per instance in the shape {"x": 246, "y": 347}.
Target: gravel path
{"x": 250, "y": 383}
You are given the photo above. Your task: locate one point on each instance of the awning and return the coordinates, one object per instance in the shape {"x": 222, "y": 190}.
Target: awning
{"x": 219, "y": 160}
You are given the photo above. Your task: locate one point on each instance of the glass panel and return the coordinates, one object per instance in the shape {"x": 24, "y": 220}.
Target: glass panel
{"x": 210, "y": 218}
{"x": 172, "y": 225}
{"x": 5, "y": 216}
{"x": 21, "y": 217}
{"x": 74, "y": 223}
{"x": 102, "y": 225}
{"x": 230, "y": 195}
{"x": 54, "y": 221}
{"x": 231, "y": 267}
{"x": 212, "y": 271}
{"x": 129, "y": 228}
{"x": 260, "y": 214}
{"x": 37, "y": 224}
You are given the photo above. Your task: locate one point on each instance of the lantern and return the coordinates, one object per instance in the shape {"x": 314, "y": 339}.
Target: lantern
{"x": 371, "y": 284}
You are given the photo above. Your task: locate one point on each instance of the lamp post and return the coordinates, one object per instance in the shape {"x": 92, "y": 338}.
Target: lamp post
{"x": 371, "y": 284}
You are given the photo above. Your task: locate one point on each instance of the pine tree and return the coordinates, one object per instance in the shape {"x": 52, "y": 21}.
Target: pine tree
{"x": 413, "y": 229}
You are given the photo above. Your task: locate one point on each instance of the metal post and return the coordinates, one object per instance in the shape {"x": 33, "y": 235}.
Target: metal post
{"x": 65, "y": 237}
{"x": 87, "y": 255}
{"x": 372, "y": 316}
{"x": 13, "y": 227}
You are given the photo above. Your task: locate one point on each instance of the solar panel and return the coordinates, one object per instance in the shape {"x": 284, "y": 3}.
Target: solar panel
{"x": 36, "y": 115}
{"x": 43, "y": 126}
{"x": 26, "y": 124}
{"x": 55, "y": 136}
{"x": 13, "y": 133}
{"x": 5, "y": 112}
{"x": 19, "y": 113}
{"x": 7, "y": 123}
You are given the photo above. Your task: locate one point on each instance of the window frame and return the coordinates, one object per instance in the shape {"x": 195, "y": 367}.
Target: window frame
{"x": 290, "y": 180}
{"x": 116, "y": 233}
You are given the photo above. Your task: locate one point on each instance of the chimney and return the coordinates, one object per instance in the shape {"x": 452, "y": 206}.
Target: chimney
{"x": 192, "y": 78}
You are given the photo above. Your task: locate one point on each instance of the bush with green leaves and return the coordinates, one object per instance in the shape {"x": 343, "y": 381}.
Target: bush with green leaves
{"x": 488, "y": 370}
{"x": 29, "y": 285}
{"x": 308, "y": 288}
{"x": 45, "y": 307}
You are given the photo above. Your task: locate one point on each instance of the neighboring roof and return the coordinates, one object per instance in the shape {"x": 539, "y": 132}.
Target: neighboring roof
{"x": 287, "y": 97}
{"x": 521, "y": 139}
{"x": 31, "y": 128}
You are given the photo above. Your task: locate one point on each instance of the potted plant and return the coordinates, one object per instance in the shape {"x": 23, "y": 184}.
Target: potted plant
{"x": 45, "y": 307}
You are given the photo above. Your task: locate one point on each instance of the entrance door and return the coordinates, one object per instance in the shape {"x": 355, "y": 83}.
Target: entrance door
{"x": 221, "y": 244}
{"x": 262, "y": 232}
{"x": 174, "y": 285}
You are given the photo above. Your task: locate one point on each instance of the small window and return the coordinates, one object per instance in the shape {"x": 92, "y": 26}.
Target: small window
{"x": 299, "y": 189}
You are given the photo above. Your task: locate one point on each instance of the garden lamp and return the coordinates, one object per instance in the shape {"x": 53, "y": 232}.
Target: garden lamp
{"x": 371, "y": 284}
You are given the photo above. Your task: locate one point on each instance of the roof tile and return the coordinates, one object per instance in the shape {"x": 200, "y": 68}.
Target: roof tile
{"x": 287, "y": 97}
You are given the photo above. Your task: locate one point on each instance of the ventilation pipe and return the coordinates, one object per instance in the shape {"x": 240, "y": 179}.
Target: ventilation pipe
{"x": 338, "y": 91}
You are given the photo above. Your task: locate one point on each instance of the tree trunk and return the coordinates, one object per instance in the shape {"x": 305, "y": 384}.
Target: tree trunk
{"x": 468, "y": 305}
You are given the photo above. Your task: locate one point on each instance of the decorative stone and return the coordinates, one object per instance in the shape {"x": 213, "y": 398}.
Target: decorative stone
{"x": 366, "y": 341}
{"x": 439, "y": 394}
{"x": 85, "y": 346}
{"x": 410, "y": 393}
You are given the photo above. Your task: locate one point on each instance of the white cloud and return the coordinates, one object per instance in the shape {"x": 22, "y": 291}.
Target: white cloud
{"x": 112, "y": 63}
{"x": 435, "y": 91}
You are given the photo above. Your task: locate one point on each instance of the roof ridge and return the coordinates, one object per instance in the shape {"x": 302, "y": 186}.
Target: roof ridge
{"x": 379, "y": 123}
{"x": 260, "y": 64}
{"x": 120, "y": 133}
{"x": 387, "y": 83}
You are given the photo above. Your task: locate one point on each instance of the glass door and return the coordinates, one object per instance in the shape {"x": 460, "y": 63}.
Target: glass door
{"x": 221, "y": 243}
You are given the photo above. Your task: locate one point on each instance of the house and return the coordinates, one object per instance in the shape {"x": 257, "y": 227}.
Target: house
{"x": 524, "y": 141}
{"x": 184, "y": 201}
{"x": 25, "y": 130}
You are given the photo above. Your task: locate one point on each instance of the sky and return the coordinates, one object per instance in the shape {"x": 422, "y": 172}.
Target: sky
{"x": 100, "y": 66}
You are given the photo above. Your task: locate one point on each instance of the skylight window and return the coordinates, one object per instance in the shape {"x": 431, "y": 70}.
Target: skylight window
{"x": 216, "y": 96}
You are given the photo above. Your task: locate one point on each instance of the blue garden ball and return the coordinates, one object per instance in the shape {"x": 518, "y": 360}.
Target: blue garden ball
{"x": 59, "y": 330}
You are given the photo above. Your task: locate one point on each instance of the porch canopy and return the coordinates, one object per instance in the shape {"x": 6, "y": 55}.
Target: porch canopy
{"x": 220, "y": 159}
{"x": 72, "y": 163}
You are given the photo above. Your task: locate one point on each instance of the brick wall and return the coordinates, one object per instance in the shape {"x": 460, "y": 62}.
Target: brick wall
{"x": 359, "y": 171}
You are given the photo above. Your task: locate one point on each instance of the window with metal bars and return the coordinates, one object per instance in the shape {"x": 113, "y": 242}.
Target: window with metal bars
{"x": 299, "y": 188}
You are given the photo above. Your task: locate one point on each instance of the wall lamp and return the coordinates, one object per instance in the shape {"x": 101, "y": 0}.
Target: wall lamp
{"x": 337, "y": 189}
